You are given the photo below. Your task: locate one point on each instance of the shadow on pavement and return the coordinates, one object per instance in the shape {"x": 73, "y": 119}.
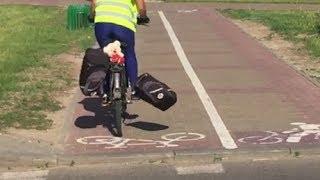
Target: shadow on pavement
{"x": 104, "y": 116}
{"x": 148, "y": 126}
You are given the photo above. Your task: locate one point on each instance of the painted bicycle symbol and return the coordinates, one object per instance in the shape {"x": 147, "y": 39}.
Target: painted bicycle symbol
{"x": 294, "y": 135}
{"x": 168, "y": 140}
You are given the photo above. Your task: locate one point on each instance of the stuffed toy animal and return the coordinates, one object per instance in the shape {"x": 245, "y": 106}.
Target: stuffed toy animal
{"x": 113, "y": 49}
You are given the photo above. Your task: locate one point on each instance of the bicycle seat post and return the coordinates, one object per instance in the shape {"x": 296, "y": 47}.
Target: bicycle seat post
{"x": 128, "y": 95}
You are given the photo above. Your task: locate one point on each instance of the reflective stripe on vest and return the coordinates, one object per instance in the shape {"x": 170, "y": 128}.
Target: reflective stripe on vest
{"x": 115, "y": 15}
{"x": 113, "y": 3}
{"x": 120, "y": 12}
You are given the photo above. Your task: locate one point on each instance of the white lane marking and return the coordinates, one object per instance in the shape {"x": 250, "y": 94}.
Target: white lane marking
{"x": 294, "y": 135}
{"x": 187, "y": 11}
{"x": 208, "y": 169}
{"x": 222, "y": 131}
{"x": 34, "y": 175}
{"x": 168, "y": 140}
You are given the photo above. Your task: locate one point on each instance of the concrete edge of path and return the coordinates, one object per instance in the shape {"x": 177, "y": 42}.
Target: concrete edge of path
{"x": 12, "y": 161}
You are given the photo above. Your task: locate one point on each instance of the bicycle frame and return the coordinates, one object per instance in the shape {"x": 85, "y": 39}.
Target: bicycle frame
{"x": 118, "y": 81}
{"x": 119, "y": 92}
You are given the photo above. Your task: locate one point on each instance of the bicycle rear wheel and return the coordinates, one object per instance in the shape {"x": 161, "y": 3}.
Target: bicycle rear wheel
{"x": 118, "y": 116}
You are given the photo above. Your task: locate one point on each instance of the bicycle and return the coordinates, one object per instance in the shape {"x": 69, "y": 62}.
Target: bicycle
{"x": 119, "y": 93}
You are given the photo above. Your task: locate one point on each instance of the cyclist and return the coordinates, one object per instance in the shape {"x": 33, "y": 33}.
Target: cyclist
{"x": 117, "y": 20}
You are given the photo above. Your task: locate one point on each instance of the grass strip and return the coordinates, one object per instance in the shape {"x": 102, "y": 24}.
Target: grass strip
{"x": 29, "y": 38}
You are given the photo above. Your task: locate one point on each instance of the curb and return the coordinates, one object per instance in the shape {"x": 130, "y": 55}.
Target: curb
{"x": 206, "y": 156}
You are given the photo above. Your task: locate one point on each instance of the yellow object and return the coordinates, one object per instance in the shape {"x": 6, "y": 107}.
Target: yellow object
{"x": 120, "y": 12}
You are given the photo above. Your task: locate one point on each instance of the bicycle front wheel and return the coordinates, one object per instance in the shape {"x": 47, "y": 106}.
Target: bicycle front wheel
{"x": 118, "y": 116}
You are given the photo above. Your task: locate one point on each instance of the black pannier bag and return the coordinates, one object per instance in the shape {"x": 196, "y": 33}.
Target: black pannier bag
{"x": 155, "y": 92}
{"x": 93, "y": 71}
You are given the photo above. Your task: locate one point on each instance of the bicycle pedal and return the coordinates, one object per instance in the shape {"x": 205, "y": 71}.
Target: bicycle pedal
{"x": 105, "y": 103}
{"x": 135, "y": 98}
{"x": 93, "y": 93}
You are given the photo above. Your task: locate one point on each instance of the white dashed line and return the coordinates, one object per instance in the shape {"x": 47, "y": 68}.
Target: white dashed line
{"x": 203, "y": 169}
{"x": 29, "y": 175}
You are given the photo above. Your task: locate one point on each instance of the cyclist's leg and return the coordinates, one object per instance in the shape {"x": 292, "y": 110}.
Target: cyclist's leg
{"x": 127, "y": 36}
{"x": 103, "y": 33}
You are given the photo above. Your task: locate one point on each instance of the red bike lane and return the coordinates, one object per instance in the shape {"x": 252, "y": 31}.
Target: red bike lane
{"x": 261, "y": 100}
{"x": 184, "y": 127}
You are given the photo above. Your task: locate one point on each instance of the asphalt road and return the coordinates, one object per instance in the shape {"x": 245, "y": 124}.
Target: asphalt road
{"x": 293, "y": 169}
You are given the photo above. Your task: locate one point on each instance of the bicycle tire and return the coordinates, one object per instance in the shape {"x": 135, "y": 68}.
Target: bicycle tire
{"x": 118, "y": 115}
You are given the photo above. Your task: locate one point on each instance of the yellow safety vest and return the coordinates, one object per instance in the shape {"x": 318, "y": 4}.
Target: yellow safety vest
{"x": 120, "y": 12}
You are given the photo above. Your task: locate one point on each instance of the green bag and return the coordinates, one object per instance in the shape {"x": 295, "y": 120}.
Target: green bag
{"x": 78, "y": 16}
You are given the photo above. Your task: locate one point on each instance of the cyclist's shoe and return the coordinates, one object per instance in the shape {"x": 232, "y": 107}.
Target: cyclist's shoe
{"x": 105, "y": 100}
